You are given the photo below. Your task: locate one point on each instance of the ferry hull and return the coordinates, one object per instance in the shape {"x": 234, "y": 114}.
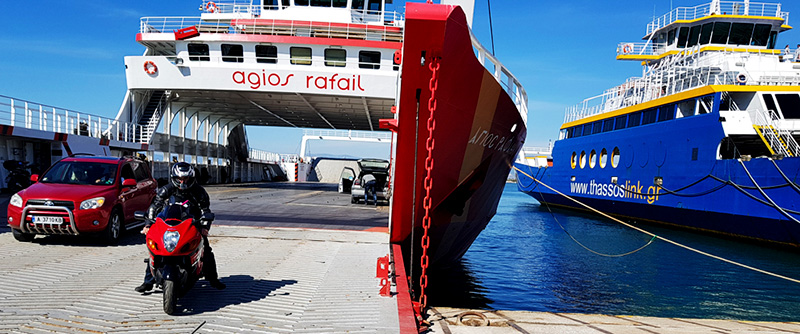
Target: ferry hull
{"x": 478, "y": 132}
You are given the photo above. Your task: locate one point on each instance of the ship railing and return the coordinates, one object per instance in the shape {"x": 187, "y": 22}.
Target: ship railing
{"x": 508, "y": 81}
{"x": 640, "y": 48}
{"x": 30, "y": 115}
{"x": 264, "y": 156}
{"x": 349, "y": 134}
{"x": 779, "y": 139}
{"x": 745, "y": 8}
{"x": 273, "y": 27}
{"x": 246, "y": 7}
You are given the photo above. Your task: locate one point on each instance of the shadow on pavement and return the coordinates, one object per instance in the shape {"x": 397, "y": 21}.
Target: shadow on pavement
{"x": 241, "y": 289}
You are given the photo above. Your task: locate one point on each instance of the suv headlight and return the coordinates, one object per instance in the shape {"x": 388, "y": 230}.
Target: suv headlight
{"x": 93, "y": 203}
{"x": 171, "y": 240}
{"x": 16, "y": 200}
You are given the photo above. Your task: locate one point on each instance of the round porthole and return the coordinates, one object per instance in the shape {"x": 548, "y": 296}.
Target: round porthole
{"x": 583, "y": 159}
{"x": 574, "y": 160}
{"x": 603, "y": 158}
{"x": 615, "y": 157}
{"x": 592, "y": 159}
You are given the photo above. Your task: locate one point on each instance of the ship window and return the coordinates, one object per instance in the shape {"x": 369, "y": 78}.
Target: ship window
{"x": 683, "y": 36}
{"x": 721, "y": 30}
{"x": 267, "y": 54}
{"x": 603, "y": 158}
{"x": 706, "y": 104}
{"x": 233, "y": 53}
{"x": 587, "y": 129}
{"x": 615, "y": 157}
{"x": 340, "y": 3}
{"x": 198, "y": 52}
{"x": 592, "y": 159}
{"x": 328, "y": 3}
{"x": 790, "y": 105}
{"x": 575, "y": 131}
{"x": 649, "y": 116}
{"x": 608, "y": 125}
{"x": 770, "y": 103}
{"x": 740, "y": 33}
{"x": 335, "y": 57}
{"x": 373, "y": 6}
{"x": 300, "y": 56}
{"x": 583, "y": 159}
{"x": 620, "y": 122}
{"x": 686, "y": 108}
{"x": 694, "y": 36}
{"x": 761, "y": 34}
{"x": 705, "y": 33}
{"x": 633, "y": 119}
{"x": 773, "y": 37}
{"x": 274, "y": 5}
{"x": 573, "y": 160}
{"x": 358, "y": 4}
{"x": 597, "y": 127}
{"x": 369, "y": 59}
{"x": 666, "y": 112}
{"x": 301, "y": 2}
{"x": 671, "y": 36}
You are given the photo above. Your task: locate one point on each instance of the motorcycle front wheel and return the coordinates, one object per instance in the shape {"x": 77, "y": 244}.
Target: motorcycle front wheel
{"x": 170, "y": 297}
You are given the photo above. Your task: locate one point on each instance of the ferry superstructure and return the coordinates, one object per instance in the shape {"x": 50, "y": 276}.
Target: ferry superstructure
{"x": 705, "y": 139}
{"x": 344, "y": 65}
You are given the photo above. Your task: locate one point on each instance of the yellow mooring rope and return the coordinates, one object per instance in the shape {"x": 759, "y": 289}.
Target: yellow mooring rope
{"x": 659, "y": 237}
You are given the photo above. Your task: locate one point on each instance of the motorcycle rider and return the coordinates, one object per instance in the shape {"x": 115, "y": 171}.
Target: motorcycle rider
{"x": 184, "y": 187}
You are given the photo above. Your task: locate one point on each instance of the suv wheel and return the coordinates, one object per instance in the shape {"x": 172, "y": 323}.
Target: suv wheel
{"x": 113, "y": 228}
{"x": 20, "y": 236}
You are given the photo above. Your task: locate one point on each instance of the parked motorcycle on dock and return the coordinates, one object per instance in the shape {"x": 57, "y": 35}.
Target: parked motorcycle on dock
{"x": 19, "y": 177}
{"x": 176, "y": 251}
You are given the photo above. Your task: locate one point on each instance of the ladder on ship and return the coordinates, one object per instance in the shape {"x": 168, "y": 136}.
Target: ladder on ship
{"x": 151, "y": 114}
{"x": 778, "y": 140}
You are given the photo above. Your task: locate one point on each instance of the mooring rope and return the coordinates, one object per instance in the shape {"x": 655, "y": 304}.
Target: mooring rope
{"x": 661, "y": 238}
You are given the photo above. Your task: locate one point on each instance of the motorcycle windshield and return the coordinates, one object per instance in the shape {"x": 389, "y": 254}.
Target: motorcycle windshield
{"x": 175, "y": 213}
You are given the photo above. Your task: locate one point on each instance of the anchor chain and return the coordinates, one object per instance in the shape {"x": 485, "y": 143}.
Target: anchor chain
{"x": 428, "y": 182}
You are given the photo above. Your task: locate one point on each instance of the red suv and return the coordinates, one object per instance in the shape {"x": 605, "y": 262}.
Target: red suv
{"x": 83, "y": 194}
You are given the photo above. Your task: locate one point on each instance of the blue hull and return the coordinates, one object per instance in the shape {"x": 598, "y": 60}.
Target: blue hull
{"x": 699, "y": 190}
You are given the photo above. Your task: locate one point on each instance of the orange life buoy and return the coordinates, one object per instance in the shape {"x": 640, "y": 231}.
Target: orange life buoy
{"x": 211, "y": 7}
{"x": 627, "y": 48}
{"x": 150, "y": 67}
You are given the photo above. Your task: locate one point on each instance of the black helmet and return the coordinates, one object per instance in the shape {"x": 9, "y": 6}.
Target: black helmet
{"x": 182, "y": 175}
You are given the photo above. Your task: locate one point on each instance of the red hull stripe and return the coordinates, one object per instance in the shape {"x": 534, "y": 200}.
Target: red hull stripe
{"x": 405, "y": 311}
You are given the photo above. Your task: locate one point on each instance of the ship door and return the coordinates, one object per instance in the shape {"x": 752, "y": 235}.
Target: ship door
{"x": 366, "y": 11}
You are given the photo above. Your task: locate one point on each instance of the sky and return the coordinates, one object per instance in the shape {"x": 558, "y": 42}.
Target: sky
{"x": 69, "y": 54}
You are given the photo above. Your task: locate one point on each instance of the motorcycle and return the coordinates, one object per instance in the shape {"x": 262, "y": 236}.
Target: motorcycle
{"x": 18, "y": 177}
{"x": 176, "y": 251}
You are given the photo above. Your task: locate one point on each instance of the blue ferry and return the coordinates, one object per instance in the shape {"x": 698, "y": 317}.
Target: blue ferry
{"x": 705, "y": 139}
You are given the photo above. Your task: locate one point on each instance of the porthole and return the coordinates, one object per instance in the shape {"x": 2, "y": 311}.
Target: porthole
{"x": 592, "y": 159}
{"x": 603, "y": 158}
{"x": 615, "y": 157}
{"x": 583, "y": 159}
{"x": 574, "y": 160}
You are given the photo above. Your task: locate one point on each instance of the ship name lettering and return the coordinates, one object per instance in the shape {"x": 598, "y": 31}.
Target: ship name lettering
{"x": 257, "y": 80}
{"x": 342, "y": 83}
{"x": 493, "y": 141}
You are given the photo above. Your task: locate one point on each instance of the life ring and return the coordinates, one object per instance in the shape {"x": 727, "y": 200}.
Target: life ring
{"x": 627, "y": 48}
{"x": 150, "y": 67}
{"x": 211, "y": 7}
{"x": 741, "y": 78}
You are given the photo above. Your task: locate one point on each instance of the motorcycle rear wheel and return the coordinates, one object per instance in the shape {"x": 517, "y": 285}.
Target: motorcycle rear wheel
{"x": 170, "y": 297}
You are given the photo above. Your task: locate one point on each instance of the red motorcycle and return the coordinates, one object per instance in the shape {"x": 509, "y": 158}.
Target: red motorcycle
{"x": 176, "y": 251}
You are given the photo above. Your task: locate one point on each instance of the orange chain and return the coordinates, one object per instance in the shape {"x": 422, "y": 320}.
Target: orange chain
{"x": 428, "y": 183}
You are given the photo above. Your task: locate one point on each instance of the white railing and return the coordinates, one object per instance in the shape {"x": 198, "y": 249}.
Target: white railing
{"x": 348, "y": 134}
{"x": 778, "y": 138}
{"x": 246, "y": 7}
{"x": 640, "y": 48}
{"x": 264, "y": 156}
{"x": 508, "y": 81}
{"x": 718, "y": 8}
{"x": 30, "y": 115}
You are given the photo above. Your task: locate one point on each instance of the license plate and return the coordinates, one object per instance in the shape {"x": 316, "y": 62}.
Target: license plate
{"x": 47, "y": 220}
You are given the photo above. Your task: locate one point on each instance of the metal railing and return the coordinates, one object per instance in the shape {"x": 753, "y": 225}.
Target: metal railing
{"x": 31, "y": 115}
{"x": 264, "y": 156}
{"x": 718, "y": 8}
{"x": 640, "y": 48}
{"x": 779, "y": 139}
{"x": 348, "y": 134}
{"x": 246, "y": 7}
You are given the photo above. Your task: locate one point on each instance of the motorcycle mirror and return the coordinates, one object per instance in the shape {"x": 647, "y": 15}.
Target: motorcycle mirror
{"x": 35, "y": 178}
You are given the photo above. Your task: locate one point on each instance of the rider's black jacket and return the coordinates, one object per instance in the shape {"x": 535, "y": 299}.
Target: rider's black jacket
{"x": 196, "y": 195}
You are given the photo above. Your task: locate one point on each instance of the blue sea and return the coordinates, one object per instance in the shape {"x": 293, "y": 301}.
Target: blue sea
{"x": 524, "y": 260}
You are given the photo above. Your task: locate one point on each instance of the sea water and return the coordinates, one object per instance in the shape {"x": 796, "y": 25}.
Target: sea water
{"x": 524, "y": 260}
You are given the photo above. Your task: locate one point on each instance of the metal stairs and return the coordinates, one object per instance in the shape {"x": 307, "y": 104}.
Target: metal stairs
{"x": 778, "y": 140}
{"x": 151, "y": 115}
